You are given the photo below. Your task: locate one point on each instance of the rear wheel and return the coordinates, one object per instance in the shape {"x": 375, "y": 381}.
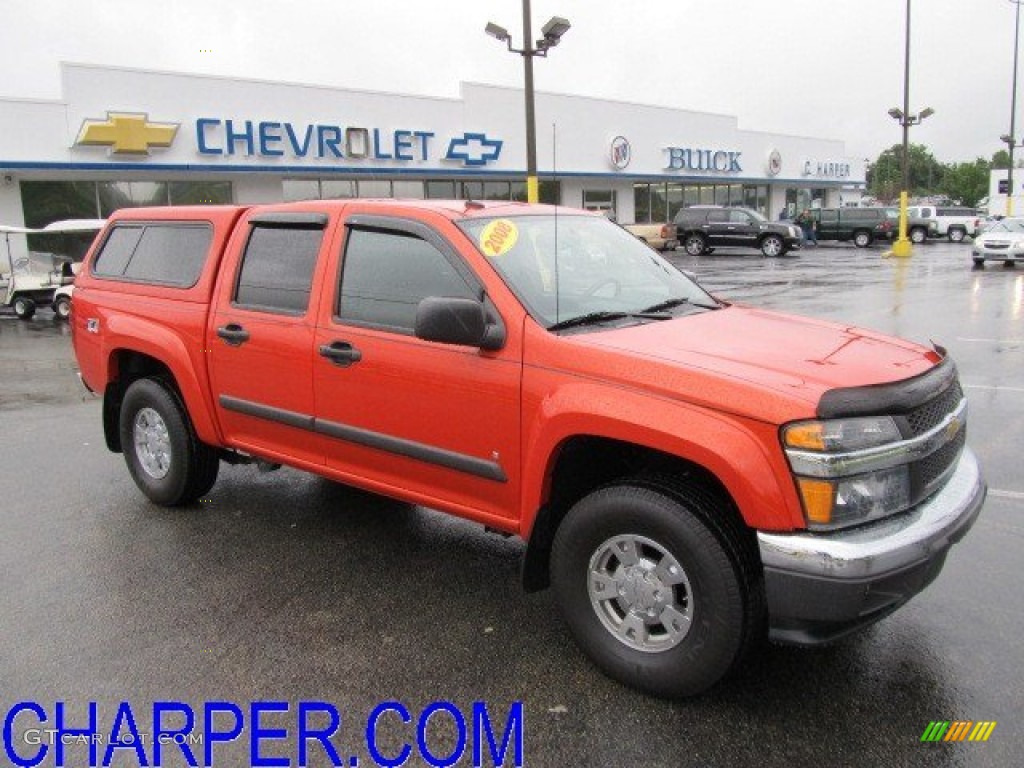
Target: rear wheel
{"x": 694, "y": 244}
{"x": 979, "y": 262}
{"x": 654, "y": 590}
{"x": 862, "y": 239}
{"x": 918, "y": 235}
{"x": 62, "y": 307}
{"x": 24, "y": 307}
{"x": 772, "y": 245}
{"x": 956, "y": 234}
{"x": 165, "y": 458}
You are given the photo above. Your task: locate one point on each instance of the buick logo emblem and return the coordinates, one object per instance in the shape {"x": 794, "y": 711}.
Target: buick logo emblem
{"x": 621, "y": 153}
{"x": 774, "y": 163}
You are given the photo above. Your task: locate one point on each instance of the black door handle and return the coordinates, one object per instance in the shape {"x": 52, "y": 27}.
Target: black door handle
{"x": 234, "y": 334}
{"x": 341, "y": 353}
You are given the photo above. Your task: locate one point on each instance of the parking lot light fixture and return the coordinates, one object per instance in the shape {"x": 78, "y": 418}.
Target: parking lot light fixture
{"x": 552, "y": 33}
{"x": 1010, "y": 139}
{"x": 906, "y": 119}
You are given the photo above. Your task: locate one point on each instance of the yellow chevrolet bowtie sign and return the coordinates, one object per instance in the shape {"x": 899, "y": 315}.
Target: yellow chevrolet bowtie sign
{"x": 126, "y": 133}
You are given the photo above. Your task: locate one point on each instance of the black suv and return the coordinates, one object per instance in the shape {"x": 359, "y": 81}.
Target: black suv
{"x": 701, "y": 227}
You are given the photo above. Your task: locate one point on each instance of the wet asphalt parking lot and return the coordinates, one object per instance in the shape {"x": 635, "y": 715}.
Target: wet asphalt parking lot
{"x": 286, "y": 587}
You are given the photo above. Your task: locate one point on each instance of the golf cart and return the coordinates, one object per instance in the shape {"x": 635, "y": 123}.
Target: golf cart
{"x": 26, "y": 285}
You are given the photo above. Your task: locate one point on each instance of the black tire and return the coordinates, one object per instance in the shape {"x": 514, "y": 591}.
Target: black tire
{"x": 62, "y": 307}
{"x": 694, "y": 244}
{"x": 24, "y": 307}
{"x": 773, "y": 245}
{"x": 722, "y": 595}
{"x": 956, "y": 234}
{"x": 979, "y": 262}
{"x": 180, "y": 467}
{"x": 862, "y": 239}
{"x": 918, "y": 235}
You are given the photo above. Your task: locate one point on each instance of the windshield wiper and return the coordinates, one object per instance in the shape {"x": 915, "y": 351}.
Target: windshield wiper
{"x": 669, "y": 304}
{"x": 587, "y": 319}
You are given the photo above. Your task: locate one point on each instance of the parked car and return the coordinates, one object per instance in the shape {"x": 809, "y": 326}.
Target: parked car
{"x": 863, "y": 226}
{"x": 661, "y": 237}
{"x": 1002, "y": 241}
{"x": 952, "y": 222}
{"x": 700, "y": 228}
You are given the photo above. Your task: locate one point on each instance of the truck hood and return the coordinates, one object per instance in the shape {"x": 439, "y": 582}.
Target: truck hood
{"x": 767, "y": 365}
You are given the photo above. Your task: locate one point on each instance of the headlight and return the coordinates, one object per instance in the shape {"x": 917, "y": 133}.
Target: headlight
{"x": 835, "y": 493}
{"x": 1019, "y": 244}
{"x": 793, "y": 232}
{"x": 841, "y": 435}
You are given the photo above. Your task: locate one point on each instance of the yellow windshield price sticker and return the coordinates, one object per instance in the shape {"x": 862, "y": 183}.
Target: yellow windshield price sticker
{"x": 498, "y": 237}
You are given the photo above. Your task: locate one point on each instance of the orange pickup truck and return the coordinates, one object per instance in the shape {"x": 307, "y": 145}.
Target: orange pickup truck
{"x": 689, "y": 475}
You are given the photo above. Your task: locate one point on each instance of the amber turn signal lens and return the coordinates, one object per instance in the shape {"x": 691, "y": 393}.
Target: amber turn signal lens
{"x": 810, "y": 436}
{"x": 817, "y": 496}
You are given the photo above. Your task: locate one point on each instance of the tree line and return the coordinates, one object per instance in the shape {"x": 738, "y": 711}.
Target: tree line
{"x": 963, "y": 182}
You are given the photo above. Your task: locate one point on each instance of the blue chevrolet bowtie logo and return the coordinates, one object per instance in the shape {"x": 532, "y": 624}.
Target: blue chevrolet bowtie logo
{"x": 474, "y": 149}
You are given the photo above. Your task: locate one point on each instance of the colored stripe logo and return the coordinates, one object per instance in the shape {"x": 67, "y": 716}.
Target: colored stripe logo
{"x": 958, "y": 730}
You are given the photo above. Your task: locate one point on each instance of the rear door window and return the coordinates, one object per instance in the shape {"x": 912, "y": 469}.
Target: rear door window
{"x": 277, "y": 268}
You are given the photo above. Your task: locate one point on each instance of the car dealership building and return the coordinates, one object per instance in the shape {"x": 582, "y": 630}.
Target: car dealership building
{"x": 126, "y": 137}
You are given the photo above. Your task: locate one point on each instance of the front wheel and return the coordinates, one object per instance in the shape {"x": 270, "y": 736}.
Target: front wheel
{"x": 979, "y": 262}
{"x": 918, "y": 235}
{"x": 956, "y": 235}
{"x": 62, "y": 307}
{"x": 165, "y": 458}
{"x": 772, "y": 245}
{"x": 694, "y": 244}
{"x": 652, "y": 590}
{"x": 24, "y": 307}
{"x": 862, "y": 239}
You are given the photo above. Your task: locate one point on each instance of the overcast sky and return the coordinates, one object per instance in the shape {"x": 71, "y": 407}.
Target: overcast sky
{"x": 821, "y": 68}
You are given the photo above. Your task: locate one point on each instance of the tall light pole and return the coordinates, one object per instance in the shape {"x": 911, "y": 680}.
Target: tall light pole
{"x": 1011, "y": 139}
{"x": 902, "y": 245}
{"x": 552, "y": 34}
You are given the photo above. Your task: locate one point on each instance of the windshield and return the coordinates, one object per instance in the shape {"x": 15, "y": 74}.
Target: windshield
{"x": 570, "y": 266}
{"x": 1006, "y": 225}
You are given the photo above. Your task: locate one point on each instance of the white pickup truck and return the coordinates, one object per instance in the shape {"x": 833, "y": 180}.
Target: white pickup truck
{"x": 956, "y": 223}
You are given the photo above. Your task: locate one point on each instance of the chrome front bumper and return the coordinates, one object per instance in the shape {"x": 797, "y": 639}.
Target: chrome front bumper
{"x": 822, "y": 586}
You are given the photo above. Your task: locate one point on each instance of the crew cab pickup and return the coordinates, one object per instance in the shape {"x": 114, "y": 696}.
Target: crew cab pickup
{"x": 687, "y": 474}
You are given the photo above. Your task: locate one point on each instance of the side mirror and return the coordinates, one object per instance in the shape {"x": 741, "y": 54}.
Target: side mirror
{"x": 451, "y": 321}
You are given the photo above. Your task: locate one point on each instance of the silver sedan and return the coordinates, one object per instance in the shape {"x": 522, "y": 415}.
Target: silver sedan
{"x": 1002, "y": 241}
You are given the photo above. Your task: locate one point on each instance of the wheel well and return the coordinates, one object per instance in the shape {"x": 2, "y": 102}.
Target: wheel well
{"x": 586, "y": 463}
{"x": 127, "y": 366}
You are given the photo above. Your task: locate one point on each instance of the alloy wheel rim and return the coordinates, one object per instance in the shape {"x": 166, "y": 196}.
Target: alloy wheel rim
{"x": 640, "y": 593}
{"x": 152, "y": 443}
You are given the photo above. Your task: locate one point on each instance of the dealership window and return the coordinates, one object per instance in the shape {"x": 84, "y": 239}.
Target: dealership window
{"x": 441, "y": 190}
{"x": 408, "y": 189}
{"x": 294, "y": 190}
{"x": 338, "y": 189}
{"x": 44, "y": 202}
{"x": 374, "y": 188}
{"x": 642, "y": 202}
{"x": 602, "y": 200}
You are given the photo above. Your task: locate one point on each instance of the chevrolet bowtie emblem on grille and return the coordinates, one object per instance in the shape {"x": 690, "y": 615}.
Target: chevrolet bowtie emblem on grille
{"x": 126, "y": 133}
{"x": 474, "y": 149}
